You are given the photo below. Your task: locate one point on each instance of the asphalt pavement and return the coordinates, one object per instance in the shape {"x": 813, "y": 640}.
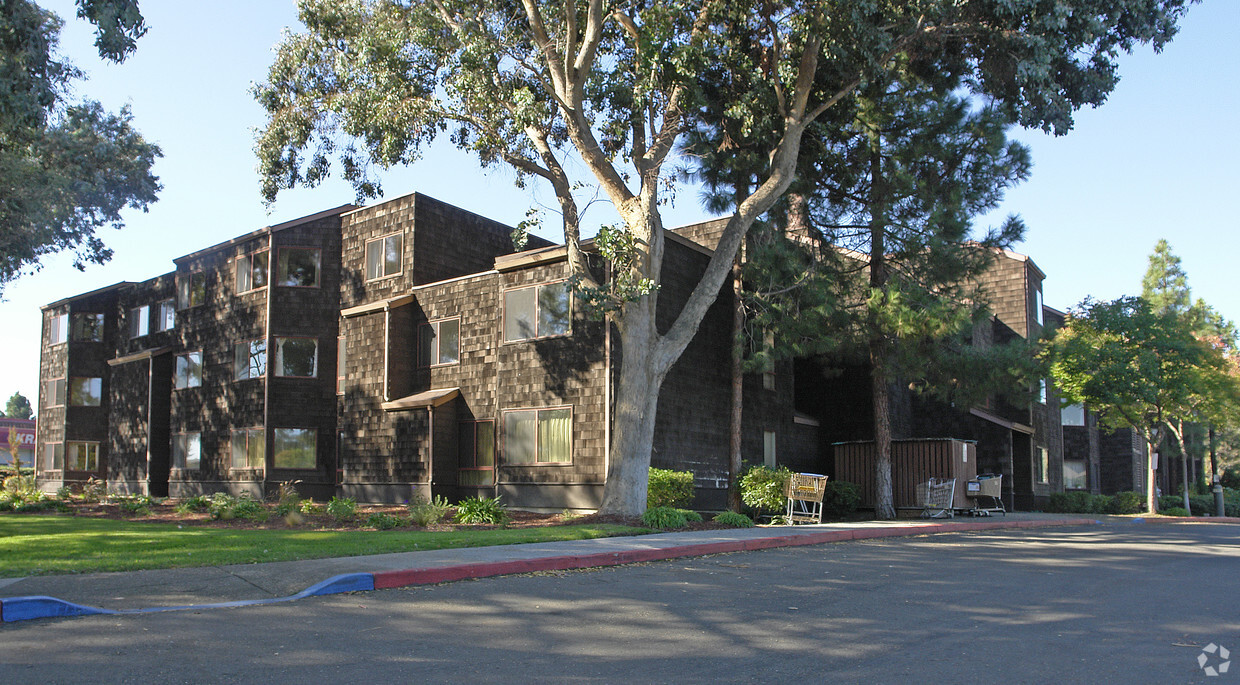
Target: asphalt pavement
{"x": 247, "y": 584}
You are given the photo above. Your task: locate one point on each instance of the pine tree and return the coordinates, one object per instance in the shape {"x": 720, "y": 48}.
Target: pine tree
{"x": 1165, "y": 285}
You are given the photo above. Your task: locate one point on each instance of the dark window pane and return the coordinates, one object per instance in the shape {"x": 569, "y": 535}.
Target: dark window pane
{"x": 520, "y": 437}
{"x": 427, "y": 348}
{"x": 553, "y": 309}
{"x": 297, "y": 357}
{"x": 85, "y": 392}
{"x": 88, "y": 327}
{"x": 299, "y": 267}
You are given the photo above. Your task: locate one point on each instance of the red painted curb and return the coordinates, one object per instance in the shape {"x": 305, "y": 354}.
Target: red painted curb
{"x": 446, "y": 574}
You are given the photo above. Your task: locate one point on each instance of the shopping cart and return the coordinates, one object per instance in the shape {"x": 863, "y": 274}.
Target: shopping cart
{"x": 935, "y": 497}
{"x": 986, "y": 489}
{"x": 804, "y": 492}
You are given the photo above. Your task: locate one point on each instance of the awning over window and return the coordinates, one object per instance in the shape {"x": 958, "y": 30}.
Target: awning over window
{"x": 428, "y": 398}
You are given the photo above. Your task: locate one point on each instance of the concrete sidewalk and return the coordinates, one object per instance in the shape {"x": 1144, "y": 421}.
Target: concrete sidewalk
{"x": 199, "y": 588}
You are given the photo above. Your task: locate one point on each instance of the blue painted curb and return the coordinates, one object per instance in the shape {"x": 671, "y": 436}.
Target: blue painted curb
{"x": 26, "y": 608}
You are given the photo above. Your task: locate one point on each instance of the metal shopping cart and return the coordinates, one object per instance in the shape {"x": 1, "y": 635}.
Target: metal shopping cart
{"x": 804, "y": 492}
{"x": 935, "y": 497}
{"x": 986, "y": 489}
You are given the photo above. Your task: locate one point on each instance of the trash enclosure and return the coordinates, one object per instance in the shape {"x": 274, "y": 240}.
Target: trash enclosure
{"x": 913, "y": 462}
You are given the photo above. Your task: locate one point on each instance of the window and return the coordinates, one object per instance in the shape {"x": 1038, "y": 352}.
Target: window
{"x": 768, "y": 449}
{"x": 186, "y": 450}
{"x": 297, "y": 357}
{"x": 295, "y": 448}
{"x": 139, "y": 321}
{"x": 53, "y": 456}
{"x": 251, "y": 271}
{"x": 439, "y": 342}
{"x": 54, "y": 392}
{"x": 1072, "y": 415}
{"x": 87, "y": 327}
{"x": 85, "y": 392}
{"x": 250, "y": 359}
{"x": 249, "y": 449}
{"x": 341, "y": 367}
{"x": 1042, "y": 391}
{"x": 1041, "y": 466}
{"x": 1037, "y": 306}
{"x": 81, "y": 456}
{"x": 298, "y": 267}
{"x": 165, "y": 316}
{"x": 188, "y": 371}
{"x": 191, "y": 289}
{"x": 537, "y": 312}
{"x": 539, "y": 436}
{"x": 383, "y": 256}
{"x": 477, "y": 453}
{"x": 59, "y": 331}
{"x": 1074, "y": 474}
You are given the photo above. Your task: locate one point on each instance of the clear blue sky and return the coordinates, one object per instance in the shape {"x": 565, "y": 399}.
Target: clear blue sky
{"x": 1158, "y": 160}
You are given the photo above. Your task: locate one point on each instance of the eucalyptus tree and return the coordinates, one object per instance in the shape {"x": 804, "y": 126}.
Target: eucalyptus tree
{"x": 595, "y": 92}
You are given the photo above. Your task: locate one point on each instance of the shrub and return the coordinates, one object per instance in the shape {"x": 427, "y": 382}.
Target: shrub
{"x": 481, "y": 510}
{"x": 1174, "y": 511}
{"x": 19, "y": 484}
{"x": 691, "y": 516}
{"x": 308, "y": 507}
{"x": 664, "y": 518}
{"x": 669, "y": 488}
{"x": 341, "y": 508}
{"x": 195, "y": 503}
{"x": 64, "y": 493}
{"x": 380, "y": 521}
{"x": 424, "y": 512}
{"x": 94, "y": 490}
{"x": 762, "y": 488}
{"x": 225, "y": 507}
{"x": 734, "y": 520}
{"x": 135, "y": 505}
{"x": 287, "y": 498}
{"x": 840, "y": 499}
{"x": 1126, "y": 503}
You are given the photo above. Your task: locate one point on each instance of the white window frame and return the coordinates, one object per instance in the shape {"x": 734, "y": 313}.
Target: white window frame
{"x": 381, "y": 243}
{"x": 164, "y": 315}
{"x": 139, "y": 322}
{"x": 59, "y": 332}
{"x": 57, "y": 390}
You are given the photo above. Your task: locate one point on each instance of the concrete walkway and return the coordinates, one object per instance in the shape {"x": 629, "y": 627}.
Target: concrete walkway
{"x": 220, "y": 586}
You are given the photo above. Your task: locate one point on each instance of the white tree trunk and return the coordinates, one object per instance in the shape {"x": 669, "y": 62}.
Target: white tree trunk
{"x": 637, "y": 403}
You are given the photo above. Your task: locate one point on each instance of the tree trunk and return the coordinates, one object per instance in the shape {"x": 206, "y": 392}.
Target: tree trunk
{"x": 738, "y": 390}
{"x": 637, "y": 403}
{"x": 884, "y": 504}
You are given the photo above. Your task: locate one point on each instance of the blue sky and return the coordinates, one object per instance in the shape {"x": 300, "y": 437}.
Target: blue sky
{"x": 1158, "y": 160}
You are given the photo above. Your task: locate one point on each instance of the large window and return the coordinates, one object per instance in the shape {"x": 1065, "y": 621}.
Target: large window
{"x": 81, "y": 456}
{"x": 383, "y": 256}
{"x": 54, "y": 392}
{"x": 538, "y": 436}
{"x": 297, "y": 357}
{"x": 537, "y": 312}
{"x": 59, "y": 331}
{"x": 87, "y": 327}
{"x": 191, "y": 289}
{"x": 298, "y": 267}
{"x": 164, "y": 316}
{"x": 188, "y": 370}
{"x": 295, "y": 448}
{"x": 139, "y": 321}
{"x": 249, "y": 449}
{"x": 1074, "y": 474}
{"x": 1072, "y": 415}
{"x": 477, "y": 453}
{"x": 250, "y": 359}
{"x": 186, "y": 450}
{"x": 251, "y": 271}
{"x": 85, "y": 392}
{"x": 439, "y": 342}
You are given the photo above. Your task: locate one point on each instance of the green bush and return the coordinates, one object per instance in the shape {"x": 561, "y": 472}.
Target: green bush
{"x": 691, "y": 516}
{"x": 840, "y": 499}
{"x": 308, "y": 507}
{"x": 287, "y": 498}
{"x": 733, "y": 520}
{"x": 195, "y": 503}
{"x": 341, "y": 508}
{"x": 481, "y": 510}
{"x": 424, "y": 512}
{"x": 762, "y": 488}
{"x": 1126, "y": 503}
{"x": 383, "y": 521}
{"x": 94, "y": 490}
{"x": 225, "y": 507}
{"x": 668, "y": 488}
{"x": 134, "y": 505}
{"x": 664, "y": 518}
{"x": 1078, "y": 502}
{"x": 1174, "y": 511}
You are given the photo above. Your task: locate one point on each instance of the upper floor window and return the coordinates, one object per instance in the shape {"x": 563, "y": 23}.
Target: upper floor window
{"x": 250, "y": 359}
{"x": 538, "y": 436}
{"x": 537, "y": 311}
{"x": 87, "y": 327}
{"x": 188, "y": 370}
{"x": 252, "y": 271}
{"x": 191, "y": 289}
{"x": 139, "y": 321}
{"x": 297, "y": 357}
{"x": 298, "y": 266}
{"x": 54, "y": 392}
{"x": 59, "y": 331}
{"x": 85, "y": 392}
{"x": 1072, "y": 415}
{"x": 1037, "y": 305}
{"x": 1042, "y": 391}
{"x": 165, "y": 316}
{"x": 439, "y": 342}
{"x": 187, "y": 450}
{"x": 383, "y": 256}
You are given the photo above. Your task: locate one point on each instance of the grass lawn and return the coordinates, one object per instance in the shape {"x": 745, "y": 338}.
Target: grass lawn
{"x": 41, "y": 545}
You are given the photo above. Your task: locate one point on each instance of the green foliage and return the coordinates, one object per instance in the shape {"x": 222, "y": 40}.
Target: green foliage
{"x": 94, "y": 490}
{"x": 195, "y": 503}
{"x": 288, "y": 500}
{"x": 664, "y": 518}
{"x": 762, "y": 488}
{"x": 1126, "y": 503}
{"x": 1165, "y": 285}
{"x": 308, "y": 507}
{"x": 1174, "y": 511}
{"x": 667, "y": 488}
{"x": 691, "y": 516}
{"x": 733, "y": 520}
{"x": 134, "y": 505}
{"x": 341, "y": 508}
{"x": 225, "y": 507}
{"x": 424, "y": 512}
{"x": 380, "y": 521}
{"x": 1078, "y": 502}
{"x": 29, "y": 500}
{"x": 18, "y": 407}
{"x": 840, "y": 499}
{"x": 481, "y": 510}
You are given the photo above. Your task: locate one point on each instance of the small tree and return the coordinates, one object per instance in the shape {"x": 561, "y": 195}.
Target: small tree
{"x": 18, "y": 407}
